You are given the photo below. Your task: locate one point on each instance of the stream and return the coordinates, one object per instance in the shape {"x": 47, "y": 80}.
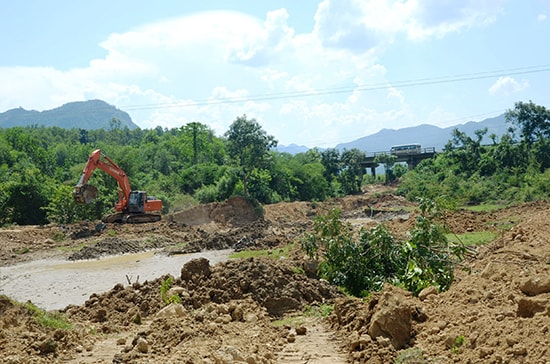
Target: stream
{"x": 53, "y": 284}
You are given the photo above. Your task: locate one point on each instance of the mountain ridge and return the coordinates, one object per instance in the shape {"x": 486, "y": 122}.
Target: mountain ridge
{"x": 91, "y": 114}
{"x": 97, "y": 114}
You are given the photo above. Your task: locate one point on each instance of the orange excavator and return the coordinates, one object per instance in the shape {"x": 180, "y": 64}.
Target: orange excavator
{"x": 132, "y": 206}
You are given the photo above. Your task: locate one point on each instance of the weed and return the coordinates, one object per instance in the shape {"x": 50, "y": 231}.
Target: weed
{"x": 410, "y": 356}
{"x": 322, "y": 310}
{"x": 459, "y": 341}
{"x": 22, "y": 251}
{"x": 47, "y": 319}
{"x": 111, "y": 232}
{"x": 473, "y": 238}
{"x": 58, "y": 236}
{"x": 165, "y": 288}
{"x": 271, "y": 253}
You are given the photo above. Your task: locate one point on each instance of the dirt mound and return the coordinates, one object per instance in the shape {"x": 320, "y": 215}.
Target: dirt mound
{"x": 236, "y": 299}
{"x": 236, "y": 211}
{"x": 496, "y": 311}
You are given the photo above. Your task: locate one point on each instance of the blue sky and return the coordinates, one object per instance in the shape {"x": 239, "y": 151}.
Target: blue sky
{"x": 314, "y": 73}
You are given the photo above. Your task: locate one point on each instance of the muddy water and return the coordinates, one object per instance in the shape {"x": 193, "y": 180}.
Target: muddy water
{"x": 54, "y": 284}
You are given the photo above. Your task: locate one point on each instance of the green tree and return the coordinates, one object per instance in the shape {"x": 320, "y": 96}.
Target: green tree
{"x": 388, "y": 160}
{"x": 249, "y": 146}
{"x": 351, "y": 175}
{"x": 533, "y": 121}
{"x": 330, "y": 158}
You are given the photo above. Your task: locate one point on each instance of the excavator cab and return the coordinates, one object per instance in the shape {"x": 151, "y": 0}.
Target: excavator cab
{"x": 136, "y": 201}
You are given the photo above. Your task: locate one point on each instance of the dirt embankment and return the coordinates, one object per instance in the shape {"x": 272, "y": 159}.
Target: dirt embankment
{"x": 496, "y": 311}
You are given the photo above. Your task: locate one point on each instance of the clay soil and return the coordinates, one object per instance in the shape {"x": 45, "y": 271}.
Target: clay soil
{"x": 267, "y": 310}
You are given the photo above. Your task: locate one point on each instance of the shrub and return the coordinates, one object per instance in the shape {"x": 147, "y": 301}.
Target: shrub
{"x": 363, "y": 262}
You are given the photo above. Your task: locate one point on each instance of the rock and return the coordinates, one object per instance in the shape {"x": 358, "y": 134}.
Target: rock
{"x": 172, "y": 310}
{"x": 179, "y": 291}
{"x": 196, "y": 269}
{"x": 47, "y": 346}
{"x": 301, "y": 330}
{"x": 393, "y": 320}
{"x": 426, "y": 292}
{"x": 121, "y": 341}
{"x": 142, "y": 345}
{"x": 535, "y": 285}
{"x": 237, "y": 313}
{"x": 528, "y": 307}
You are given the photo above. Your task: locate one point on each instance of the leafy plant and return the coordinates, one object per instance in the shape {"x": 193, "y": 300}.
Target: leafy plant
{"x": 363, "y": 262}
{"x": 410, "y": 356}
{"x": 459, "y": 341}
{"x": 165, "y": 287}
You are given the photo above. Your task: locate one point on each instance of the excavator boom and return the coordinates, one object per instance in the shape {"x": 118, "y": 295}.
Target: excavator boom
{"x": 132, "y": 206}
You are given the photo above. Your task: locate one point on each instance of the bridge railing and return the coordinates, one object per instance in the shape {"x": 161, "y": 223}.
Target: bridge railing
{"x": 427, "y": 150}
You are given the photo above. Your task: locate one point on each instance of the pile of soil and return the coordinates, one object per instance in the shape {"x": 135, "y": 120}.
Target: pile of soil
{"x": 253, "y": 310}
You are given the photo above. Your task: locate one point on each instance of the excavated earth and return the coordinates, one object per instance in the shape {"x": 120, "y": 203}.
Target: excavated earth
{"x": 267, "y": 310}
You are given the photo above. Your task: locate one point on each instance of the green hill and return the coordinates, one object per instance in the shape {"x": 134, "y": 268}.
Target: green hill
{"x": 93, "y": 114}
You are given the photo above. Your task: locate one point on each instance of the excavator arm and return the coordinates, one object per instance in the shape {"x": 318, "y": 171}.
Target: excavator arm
{"x": 84, "y": 193}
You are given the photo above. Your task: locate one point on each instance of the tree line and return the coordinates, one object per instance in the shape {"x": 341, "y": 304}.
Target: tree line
{"x": 512, "y": 168}
{"x": 187, "y": 165}
{"x": 39, "y": 167}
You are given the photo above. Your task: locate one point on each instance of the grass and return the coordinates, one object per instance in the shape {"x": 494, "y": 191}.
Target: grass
{"x": 47, "y": 319}
{"x": 73, "y": 248}
{"x": 506, "y": 224}
{"x": 277, "y": 253}
{"x": 473, "y": 238}
{"x": 484, "y": 207}
{"x": 22, "y": 251}
{"x": 410, "y": 356}
{"x": 320, "y": 311}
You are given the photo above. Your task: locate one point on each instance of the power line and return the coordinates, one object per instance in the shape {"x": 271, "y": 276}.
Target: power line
{"x": 347, "y": 89}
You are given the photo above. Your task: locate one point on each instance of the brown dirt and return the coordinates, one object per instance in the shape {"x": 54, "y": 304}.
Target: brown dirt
{"x": 496, "y": 311}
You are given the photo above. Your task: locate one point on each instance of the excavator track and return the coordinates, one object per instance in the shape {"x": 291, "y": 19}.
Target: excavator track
{"x": 127, "y": 218}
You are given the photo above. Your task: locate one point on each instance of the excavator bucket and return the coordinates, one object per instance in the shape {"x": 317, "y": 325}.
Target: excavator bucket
{"x": 85, "y": 194}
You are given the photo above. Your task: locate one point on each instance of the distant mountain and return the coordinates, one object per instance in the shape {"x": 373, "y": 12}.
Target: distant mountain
{"x": 292, "y": 149}
{"x": 425, "y": 135}
{"x": 93, "y": 114}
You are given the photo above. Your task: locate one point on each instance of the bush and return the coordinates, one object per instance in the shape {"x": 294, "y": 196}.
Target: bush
{"x": 360, "y": 263}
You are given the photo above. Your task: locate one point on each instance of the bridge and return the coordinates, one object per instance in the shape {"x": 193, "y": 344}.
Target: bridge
{"x": 412, "y": 158}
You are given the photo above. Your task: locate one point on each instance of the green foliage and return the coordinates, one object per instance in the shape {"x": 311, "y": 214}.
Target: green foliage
{"x": 472, "y": 238}
{"x": 459, "y": 341}
{"x": 48, "y": 319}
{"x": 62, "y": 208}
{"x": 248, "y": 145}
{"x": 39, "y": 166}
{"x": 165, "y": 287}
{"x": 363, "y": 262}
{"x": 322, "y": 310}
{"x": 430, "y": 257}
{"x": 410, "y": 356}
{"x": 388, "y": 160}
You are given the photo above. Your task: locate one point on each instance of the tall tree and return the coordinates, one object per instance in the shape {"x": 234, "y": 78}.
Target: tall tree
{"x": 533, "y": 121}
{"x": 352, "y": 171}
{"x": 249, "y": 146}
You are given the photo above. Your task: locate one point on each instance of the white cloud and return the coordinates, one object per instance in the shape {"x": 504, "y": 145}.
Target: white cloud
{"x": 360, "y": 25}
{"x": 195, "y": 68}
{"x": 507, "y": 85}
{"x": 541, "y": 17}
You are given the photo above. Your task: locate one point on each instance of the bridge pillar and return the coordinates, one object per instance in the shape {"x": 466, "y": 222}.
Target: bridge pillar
{"x": 373, "y": 171}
